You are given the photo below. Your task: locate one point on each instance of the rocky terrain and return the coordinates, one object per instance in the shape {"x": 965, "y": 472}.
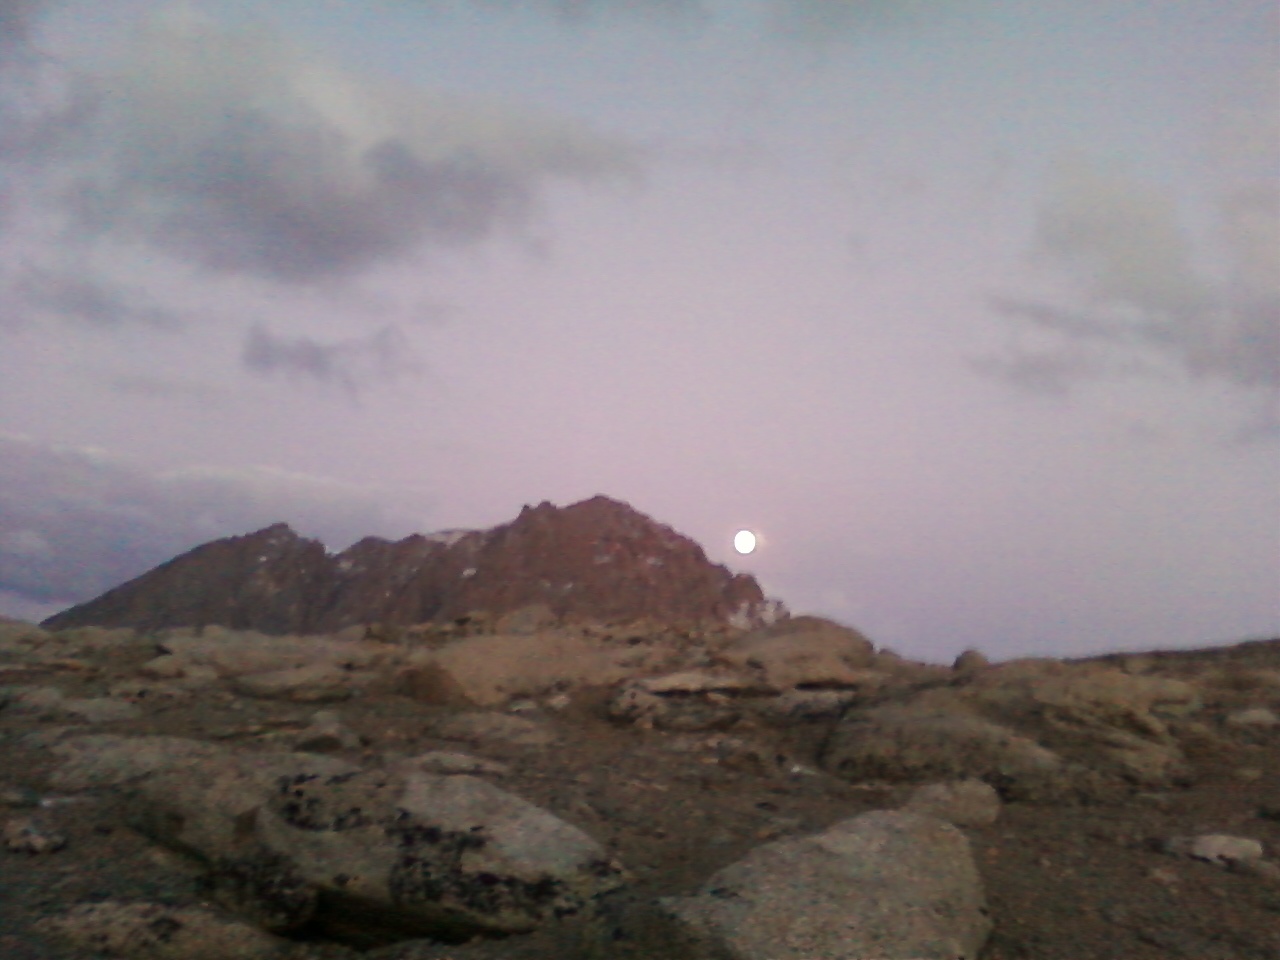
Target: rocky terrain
{"x": 538, "y": 783}
{"x": 598, "y": 559}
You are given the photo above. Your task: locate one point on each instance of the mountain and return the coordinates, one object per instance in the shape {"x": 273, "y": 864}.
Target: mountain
{"x": 599, "y": 559}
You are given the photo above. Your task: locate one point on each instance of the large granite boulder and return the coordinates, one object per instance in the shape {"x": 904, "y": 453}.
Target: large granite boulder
{"x": 366, "y": 856}
{"x": 905, "y": 743}
{"x": 889, "y": 885}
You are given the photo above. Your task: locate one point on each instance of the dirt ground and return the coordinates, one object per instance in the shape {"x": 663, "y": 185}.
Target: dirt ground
{"x": 1063, "y": 882}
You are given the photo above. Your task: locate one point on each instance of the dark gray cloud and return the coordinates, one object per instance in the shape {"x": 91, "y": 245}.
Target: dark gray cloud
{"x": 87, "y": 299}
{"x": 232, "y": 152}
{"x": 75, "y": 522}
{"x": 1141, "y": 301}
{"x": 1051, "y": 373}
{"x": 345, "y": 364}
{"x": 241, "y": 154}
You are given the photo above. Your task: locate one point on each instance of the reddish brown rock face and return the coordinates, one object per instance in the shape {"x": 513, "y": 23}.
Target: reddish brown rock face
{"x": 597, "y": 559}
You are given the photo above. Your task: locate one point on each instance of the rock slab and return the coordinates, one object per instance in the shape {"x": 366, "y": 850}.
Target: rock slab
{"x": 890, "y": 885}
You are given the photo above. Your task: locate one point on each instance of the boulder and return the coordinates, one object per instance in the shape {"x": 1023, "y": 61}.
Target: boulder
{"x": 105, "y": 760}
{"x": 450, "y": 762}
{"x": 235, "y": 653}
{"x": 1110, "y": 720}
{"x": 673, "y": 709}
{"x": 965, "y": 803}
{"x": 391, "y": 853}
{"x": 970, "y": 661}
{"x": 154, "y": 931}
{"x": 1257, "y": 718}
{"x": 326, "y": 734}
{"x": 490, "y": 670}
{"x": 486, "y": 726}
{"x": 312, "y": 683}
{"x": 890, "y": 885}
{"x": 804, "y": 651}
{"x": 906, "y": 744}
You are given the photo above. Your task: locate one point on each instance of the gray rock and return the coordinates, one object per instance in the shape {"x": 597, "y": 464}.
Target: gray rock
{"x": 101, "y": 710}
{"x": 153, "y": 931}
{"x": 805, "y": 650}
{"x": 105, "y": 760}
{"x": 478, "y": 727}
{"x": 442, "y": 856}
{"x": 392, "y": 853}
{"x": 1224, "y": 849}
{"x": 327, "y": 734}
{"x": 242, "y": 653}
{"x": 805, "y": 704}
{"x": 970, "y": 661}
{"x": 1255, "y": 717}
{"x": 309, "y": 683}
{"x": 448, "y": 762}
{"x": 673, "y": 710}
{"x": 904, "y": 744}
{"x": 965, "y": 803}
{"x": 889, "y": 885}
{"x": 51, "y": 703}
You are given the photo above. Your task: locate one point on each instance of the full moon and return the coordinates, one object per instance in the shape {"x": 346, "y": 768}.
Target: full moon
{"x": 744, "y": 541}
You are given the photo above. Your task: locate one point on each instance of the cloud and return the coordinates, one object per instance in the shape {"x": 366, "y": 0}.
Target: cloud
{"x": 170, "y": 390}
{"x": 1138, "y": 298}
{"x": 218, "y": 153}
{"x": 75, "y": 522}
{"x": 88, "y": 299}
{"x": 346, "y": 364}
{"x": 246, "y": 156}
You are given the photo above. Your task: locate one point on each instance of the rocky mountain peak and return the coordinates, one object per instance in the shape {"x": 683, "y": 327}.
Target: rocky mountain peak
{"x": 596, "y": 559}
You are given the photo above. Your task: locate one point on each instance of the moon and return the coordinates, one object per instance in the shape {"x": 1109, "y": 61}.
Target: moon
{"x": 744, "y": 541}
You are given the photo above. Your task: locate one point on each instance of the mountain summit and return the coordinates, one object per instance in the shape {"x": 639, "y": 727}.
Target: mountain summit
{"x": 598, "y": 559}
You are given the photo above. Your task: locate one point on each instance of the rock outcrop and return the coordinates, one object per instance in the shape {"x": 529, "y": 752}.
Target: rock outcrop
{"x": 891, "y": 885}
{"x": 389, "y": 852}
{"x": 597, "y": 559}
{"x": 624, "y": 792}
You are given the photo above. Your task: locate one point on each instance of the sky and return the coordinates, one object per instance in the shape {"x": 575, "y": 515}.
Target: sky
{"x": 970, "y": 310}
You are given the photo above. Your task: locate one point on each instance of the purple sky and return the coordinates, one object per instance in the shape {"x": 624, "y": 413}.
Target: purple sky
{"x": 970, "y": 310}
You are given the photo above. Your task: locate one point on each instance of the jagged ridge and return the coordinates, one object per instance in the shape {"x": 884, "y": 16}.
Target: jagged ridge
{"x": 599, "y": 558}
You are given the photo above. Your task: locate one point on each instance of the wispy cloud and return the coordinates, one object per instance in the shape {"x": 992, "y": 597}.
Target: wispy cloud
{"x": 225, "y": 155}
{"x": 1138, "y": 297}
{"x": 243, "y": 154}
{"x": 88, "y": 299}
{"x": 346, "y": 364}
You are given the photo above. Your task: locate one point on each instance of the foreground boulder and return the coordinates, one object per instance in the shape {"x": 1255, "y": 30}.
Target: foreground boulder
{"x": 366, "y": 856}
{"x": 905, "y": 743}
{"x": 153, "y": 931}
{"x": 888, "y": 885}
{"x": 804, "y": 651}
